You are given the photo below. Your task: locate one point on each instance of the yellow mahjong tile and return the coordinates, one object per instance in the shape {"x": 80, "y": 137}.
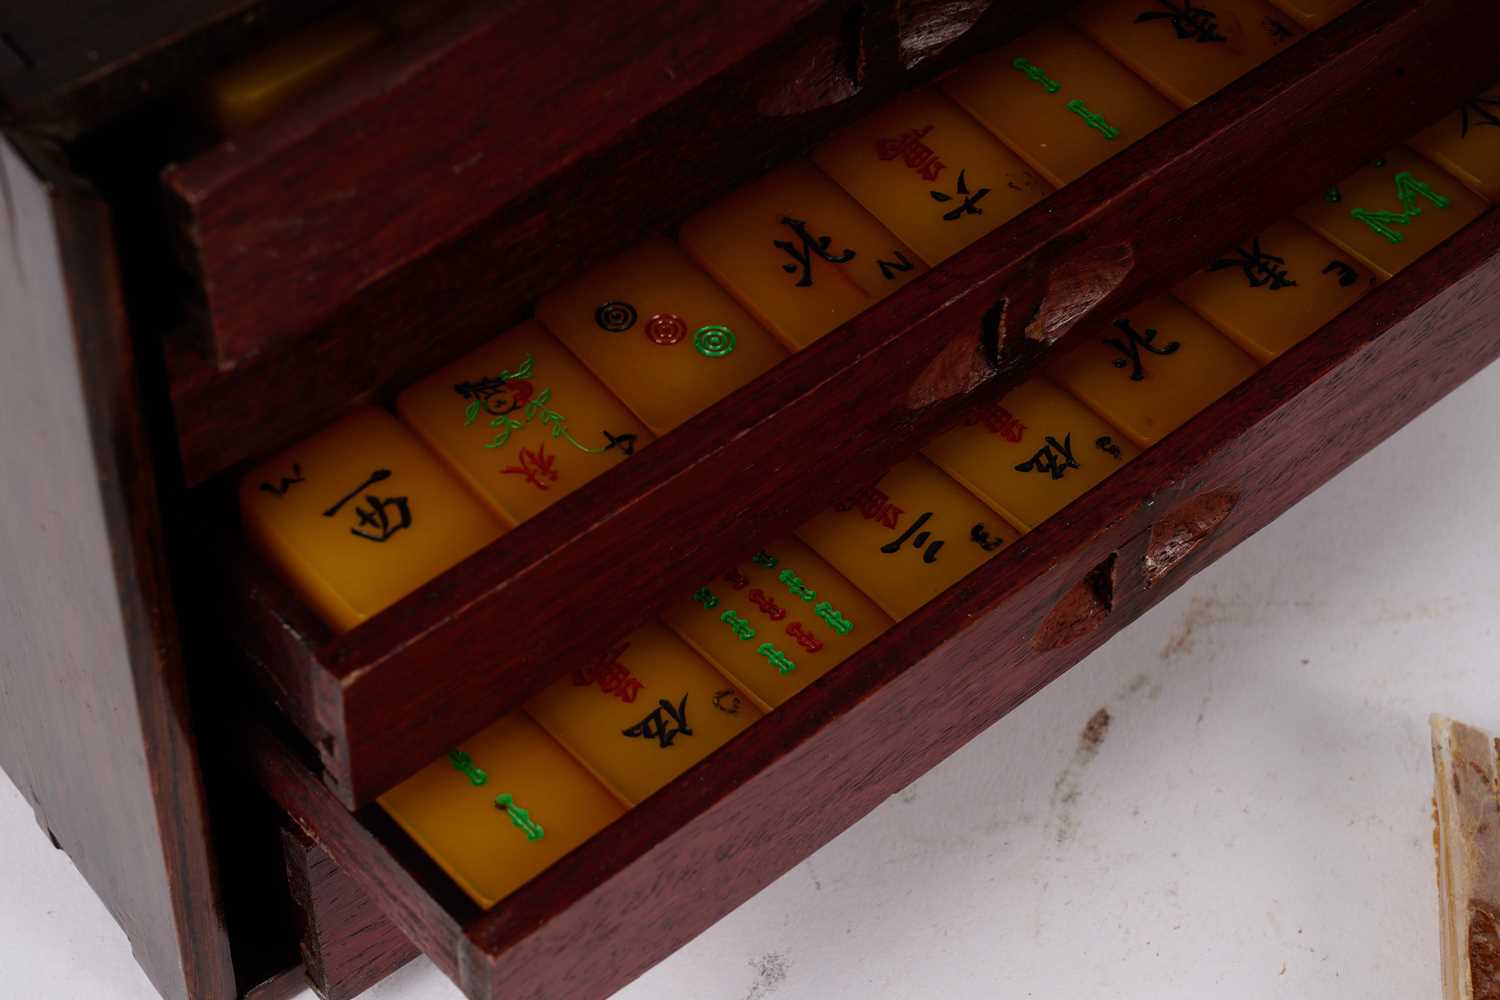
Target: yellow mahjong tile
{"x": 645, "y": 712}
{"x": 522, "y": 421}
{"x": 1187, "y": 49}
{"x": 1272, "y": 290}
{"x": 501, "y": 807}
{"x": 1466, "y": 143}
{"x": 929, "y": 173}
{"x": 253, "y": 88}
{"x": 1058, "y": 100}
{"x": 909, "y": 537}
{"x": 659, "y": 332}
{"x": 1392, "y": 210}
{"x": 1314, "y": 13}
{"x": 1031, "y": 453}
{"x": 798, "y": 252}
{"x": 1155, "y": 368}
{"x": 795, "y": 605}
{"x": 360, "y": 514}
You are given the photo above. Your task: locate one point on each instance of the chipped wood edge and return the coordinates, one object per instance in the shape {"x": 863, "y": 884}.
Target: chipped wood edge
{"x": 1467, "y": 839}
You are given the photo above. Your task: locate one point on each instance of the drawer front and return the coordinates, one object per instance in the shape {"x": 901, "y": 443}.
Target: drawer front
{"x": 360, "y": 197}
{"x": 381, "y": 701}
{"x": 725, "y": 829}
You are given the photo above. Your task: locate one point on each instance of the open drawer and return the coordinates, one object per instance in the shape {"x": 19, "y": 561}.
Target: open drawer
{"x": 334, "y": 195}
{"x": 382, "y": 700}
{"x": 720, "y": 832}
{"x": 382, "y": 202}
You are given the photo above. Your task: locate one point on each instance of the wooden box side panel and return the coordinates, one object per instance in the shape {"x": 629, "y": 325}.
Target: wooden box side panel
{"x": 94, "y": 721}
{"x": 790, "y": 784}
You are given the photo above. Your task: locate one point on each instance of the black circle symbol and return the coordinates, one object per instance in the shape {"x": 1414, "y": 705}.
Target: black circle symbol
{"x": 615, "y": 316}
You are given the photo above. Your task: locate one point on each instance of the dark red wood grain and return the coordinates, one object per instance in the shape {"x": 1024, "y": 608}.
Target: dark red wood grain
{"x": 393, "y": 693}
{"x": 743, "y": 816}
{"x": 405, "y": 894}
{"x": 652, "y": 166}
{"x": 347, "y": 944}
{"x": 285, "y": 985}
{"x": 68, "y": 68}
{"x": 95, "y": 727}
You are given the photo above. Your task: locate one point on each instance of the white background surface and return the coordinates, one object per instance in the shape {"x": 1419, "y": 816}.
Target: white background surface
{"x": 1255, "y": 824}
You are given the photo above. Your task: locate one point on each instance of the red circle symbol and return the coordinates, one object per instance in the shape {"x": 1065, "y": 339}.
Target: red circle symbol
{"x": 666, "y": 329}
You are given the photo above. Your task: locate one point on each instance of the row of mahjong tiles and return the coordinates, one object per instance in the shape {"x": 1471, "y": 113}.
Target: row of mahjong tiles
{"x": 256, "y": 87}
{"x": 501, "y": 420}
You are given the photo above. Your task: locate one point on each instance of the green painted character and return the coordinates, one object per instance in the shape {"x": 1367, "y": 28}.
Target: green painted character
{"x": 519, "y": 817}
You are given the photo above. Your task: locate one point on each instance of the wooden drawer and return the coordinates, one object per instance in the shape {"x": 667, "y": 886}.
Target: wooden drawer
{"x": 382, "y": 700}
{"x": 377, "y": 703}
{"x": 378, "y": 225}
{"x": 794, "y": 780}
{"x": 375, "y": 217}
{"x": 337, "y": 193}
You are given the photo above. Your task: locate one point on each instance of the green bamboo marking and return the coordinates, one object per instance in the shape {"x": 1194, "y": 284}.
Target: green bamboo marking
{"x": 1034, "y": 73}
{"x": 737, "y": 624}
{"x": 835, "y": 620}
{"x": 1094, "y": 120}
{"x": 777, "y": 658}
{"x": 795, "y": 585}
{"x": 1333, "y": 195}
{"x": 764, "y": 558}
{"x": 1408, "y": 190}
{"x": 519, "y": 817}
{"x": 463, "y": 762}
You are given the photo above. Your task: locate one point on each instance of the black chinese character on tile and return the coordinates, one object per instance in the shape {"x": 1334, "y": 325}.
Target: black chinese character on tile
{"x": 806, "y": 248}
{"x": 287, "y": 482}
{"x": 665, "y": 723}
{"x": 929, "y": 552}
{"x": 970, "y": 203}
{"x": 1131, "y": 346}
{"x": 1053, "y": 458}
{"x": 1262, "y": 270}
{"x": 1198, "y": 23}
{"x": 375, "y": 521}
